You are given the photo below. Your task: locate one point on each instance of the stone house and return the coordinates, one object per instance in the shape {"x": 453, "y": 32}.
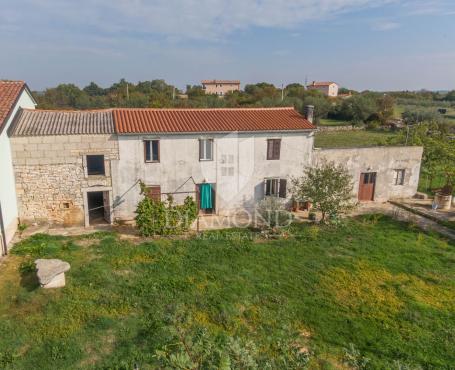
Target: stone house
{"x": 63, "y": 163}
{"x": 13, "y": 96}
{"x": 329, "y": 89}
{"x": 378, "y": 173}
{"x": 84, "y": 167}
{"x": 243, "y": 154}
{"x": 220, "y": 87}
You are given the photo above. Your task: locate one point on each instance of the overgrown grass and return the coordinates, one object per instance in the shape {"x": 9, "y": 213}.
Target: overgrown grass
{"x": 341, "y": 139}
{"x": 371, "y": 291}
{"x": 333, "y": 122}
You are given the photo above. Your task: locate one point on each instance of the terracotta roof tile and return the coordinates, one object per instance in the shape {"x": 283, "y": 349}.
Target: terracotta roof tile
{"x": 208, "y": 120}
{"x": 31, "y": 122}
{"x": 9, "y": 94}
{"x": 321, "y": 83}
{"x": 205, "y": 82}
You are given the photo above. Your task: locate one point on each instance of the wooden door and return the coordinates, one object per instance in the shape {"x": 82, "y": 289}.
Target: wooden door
{"x": 366, "y": 186}
{"x": 107, "y": 207}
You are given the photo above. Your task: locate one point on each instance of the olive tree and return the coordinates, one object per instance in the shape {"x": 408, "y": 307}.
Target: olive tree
{"x": 327, "y": 186}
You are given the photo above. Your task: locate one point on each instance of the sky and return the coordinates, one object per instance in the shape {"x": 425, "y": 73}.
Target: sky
{"x": 360, "y": 44}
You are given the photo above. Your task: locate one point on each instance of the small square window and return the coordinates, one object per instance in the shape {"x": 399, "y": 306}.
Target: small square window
{"x": 399, "y": 177}
{"x": 152, "y": 150}
{"x": 95, "y": 165}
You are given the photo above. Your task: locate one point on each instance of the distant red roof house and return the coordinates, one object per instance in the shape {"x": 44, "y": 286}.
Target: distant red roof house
{"x": 131, "y": 121}
{"x": 220, "y": 87}
{"x": 328, "y": 88}
{"x": 10, "y": 91}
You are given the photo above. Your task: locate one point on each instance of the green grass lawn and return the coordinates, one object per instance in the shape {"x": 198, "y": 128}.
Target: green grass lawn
{"x": 340, "y": 139}
{"x": 333, "y": 122}
{"x": 373, "y": 289}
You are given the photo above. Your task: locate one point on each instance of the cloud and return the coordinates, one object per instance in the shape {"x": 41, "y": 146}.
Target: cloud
{"x": 429, "y": 7}
{"x": 194, "y": 19}
{"x": 385, "y": 25}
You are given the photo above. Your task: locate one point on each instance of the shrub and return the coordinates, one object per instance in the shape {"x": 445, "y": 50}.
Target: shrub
{"x": 155, "y": 217}
{"x": 27, "y": 266}
{"x": 327, "y": 186}
{"x": 273, "y": 212}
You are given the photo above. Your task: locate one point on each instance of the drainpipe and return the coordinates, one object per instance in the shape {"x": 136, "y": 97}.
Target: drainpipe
{"x": 2, "y": 231}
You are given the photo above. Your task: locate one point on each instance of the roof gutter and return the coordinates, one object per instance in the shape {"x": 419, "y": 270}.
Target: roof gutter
{"x": 211, "y": 132}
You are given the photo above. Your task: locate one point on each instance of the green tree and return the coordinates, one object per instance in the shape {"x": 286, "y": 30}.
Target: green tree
{"x": 327, "y": 186}
{"x": 94, "y": 90}
{"x": 385, "y": 108}
{"x": 358, "y": 109}
{"x": 450, "y": 96}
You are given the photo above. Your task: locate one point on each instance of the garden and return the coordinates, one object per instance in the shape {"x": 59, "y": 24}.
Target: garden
{"x": 366, "y": 293}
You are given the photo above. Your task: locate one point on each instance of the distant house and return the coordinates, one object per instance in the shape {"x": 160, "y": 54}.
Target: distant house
{"x": 13, "y": 96}
{"x": 327, "y": 88}
{"x": 220, "y": 87}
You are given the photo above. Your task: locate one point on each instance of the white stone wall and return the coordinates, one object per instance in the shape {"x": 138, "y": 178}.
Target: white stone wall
{"x": 383, "y": 161}
{"x": 51, "y": 175}
{"x": 238, "y": 168}
{"x": 7, "y": 182}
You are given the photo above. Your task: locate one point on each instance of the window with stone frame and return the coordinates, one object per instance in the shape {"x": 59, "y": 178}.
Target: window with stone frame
{"x": 399, "y": 177}
{"x": 95, "y": 165}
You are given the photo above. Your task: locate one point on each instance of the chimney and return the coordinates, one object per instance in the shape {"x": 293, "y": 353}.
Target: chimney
{"x": 308, "y": 112}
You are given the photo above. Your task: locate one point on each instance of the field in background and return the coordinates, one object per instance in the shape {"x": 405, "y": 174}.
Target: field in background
{"x": 373, "y": 291}
{"x": 341, "y": 139}
{"x": 333, "y": 122}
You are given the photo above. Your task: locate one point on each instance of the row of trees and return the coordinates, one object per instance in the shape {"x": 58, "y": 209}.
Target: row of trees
{"x": 360, "y": 108}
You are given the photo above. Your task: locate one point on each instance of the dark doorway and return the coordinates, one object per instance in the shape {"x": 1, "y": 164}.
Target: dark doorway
{"x": 202, "y": 204}
{"x": 367, "y": 186}
{"x": 98, "y": 210}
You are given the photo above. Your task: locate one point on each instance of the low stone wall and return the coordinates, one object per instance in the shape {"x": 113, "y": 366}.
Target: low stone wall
{"x": 340, "y": 128}
{"x": 50, "y": 175}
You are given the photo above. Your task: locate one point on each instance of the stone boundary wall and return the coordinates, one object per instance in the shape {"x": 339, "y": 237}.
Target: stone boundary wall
{"x": 339, "y": 128}
{"x": 50, "y": 175}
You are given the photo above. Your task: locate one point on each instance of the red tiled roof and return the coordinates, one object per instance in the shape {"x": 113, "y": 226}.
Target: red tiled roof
{"x": 128, "y": 121}
{"x": 9, "y": 94}
{"x": 321, "y": 83}
{"x": 205, "y": 82}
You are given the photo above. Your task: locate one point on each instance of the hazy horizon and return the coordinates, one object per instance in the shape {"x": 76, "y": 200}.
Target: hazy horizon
{"x": 381, "y": 45}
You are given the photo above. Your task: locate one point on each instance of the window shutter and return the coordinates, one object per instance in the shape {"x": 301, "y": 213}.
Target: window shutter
{"x": 209, "y": 149}
{"x": 155, "y": 150}
{"x": 267, "y": 184}
{"x": 269, "y": 149}
{"x": 276, "y": 149}
{"x": 147, "y": 154}
{"x": 282, "y": 188}
{"x": 154, "y": 192}
{"x": 201, "y": 149}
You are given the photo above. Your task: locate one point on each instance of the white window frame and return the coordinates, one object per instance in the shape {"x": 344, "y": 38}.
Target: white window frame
{"x": 278, "y": 185}
{"x": 203, "y": 142}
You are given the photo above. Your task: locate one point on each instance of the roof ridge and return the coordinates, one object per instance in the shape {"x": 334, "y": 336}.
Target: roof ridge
{"x": 69, "y": 110}
{"x": 13, "y": 81}
{"x": 206, "y": 109}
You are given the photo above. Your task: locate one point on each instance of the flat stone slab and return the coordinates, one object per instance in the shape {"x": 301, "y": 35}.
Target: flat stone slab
{"x": 51, "y": 272}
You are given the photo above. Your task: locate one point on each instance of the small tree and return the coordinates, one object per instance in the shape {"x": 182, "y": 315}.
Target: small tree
{"x": 328, "y": 186}
{"x": 273, "y": 212}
